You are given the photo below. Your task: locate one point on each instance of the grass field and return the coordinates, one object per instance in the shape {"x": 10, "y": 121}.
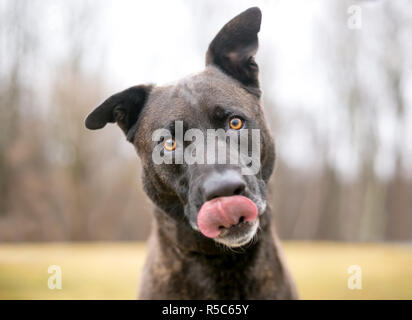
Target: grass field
{"x": 112, "y": 270}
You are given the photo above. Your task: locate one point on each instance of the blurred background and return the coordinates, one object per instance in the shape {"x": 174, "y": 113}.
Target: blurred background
{"x": 337, "y": 95}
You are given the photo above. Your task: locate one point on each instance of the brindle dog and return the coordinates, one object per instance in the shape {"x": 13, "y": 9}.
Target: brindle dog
{"x": 211, "y": 236}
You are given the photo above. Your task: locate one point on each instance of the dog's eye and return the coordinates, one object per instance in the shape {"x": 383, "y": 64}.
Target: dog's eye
{"x": 169, "y": 144}
{"x": 236, "y": 123}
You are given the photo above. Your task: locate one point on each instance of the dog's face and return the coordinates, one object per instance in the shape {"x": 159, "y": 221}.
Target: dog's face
{"x": 214, "y": 199}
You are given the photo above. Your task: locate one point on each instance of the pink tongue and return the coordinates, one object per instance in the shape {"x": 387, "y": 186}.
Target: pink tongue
{"x": 224, "y": 212}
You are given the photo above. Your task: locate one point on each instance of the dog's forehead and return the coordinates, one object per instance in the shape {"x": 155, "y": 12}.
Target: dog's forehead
{"x": 197, "y": 94}
{"x": 193, "y": 100}
{"x": 208, "y": 88}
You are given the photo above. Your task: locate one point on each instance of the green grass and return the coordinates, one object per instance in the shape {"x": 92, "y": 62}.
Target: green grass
{"x": 112, "y": 270}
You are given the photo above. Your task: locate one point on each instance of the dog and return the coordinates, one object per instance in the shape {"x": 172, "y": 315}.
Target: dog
{"x": 211, "y": 236}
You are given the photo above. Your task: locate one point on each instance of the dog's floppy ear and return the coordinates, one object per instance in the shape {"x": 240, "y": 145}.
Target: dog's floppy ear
{"x": 123, "y": 107}
{"x": 234, "y": 47}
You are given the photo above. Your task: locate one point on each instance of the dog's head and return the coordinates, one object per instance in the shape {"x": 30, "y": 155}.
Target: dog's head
{"x": 176, "y": 128}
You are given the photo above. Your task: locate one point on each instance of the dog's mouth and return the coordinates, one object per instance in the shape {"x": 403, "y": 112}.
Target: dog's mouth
{"x": 239, "y": 235}
{"x": 232, "y": 221}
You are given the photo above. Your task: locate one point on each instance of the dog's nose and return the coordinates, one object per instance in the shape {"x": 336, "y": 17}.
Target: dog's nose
{"x": 230, "y": 183}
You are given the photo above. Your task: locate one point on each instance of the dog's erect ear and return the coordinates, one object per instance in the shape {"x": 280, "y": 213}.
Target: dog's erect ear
{"x": 123, "y": 107}
{"x": 233, "y": 48}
